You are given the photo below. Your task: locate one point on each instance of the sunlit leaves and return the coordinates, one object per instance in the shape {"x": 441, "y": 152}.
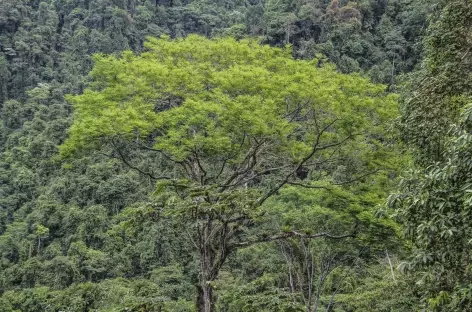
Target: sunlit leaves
{"x": 207, "y": 94}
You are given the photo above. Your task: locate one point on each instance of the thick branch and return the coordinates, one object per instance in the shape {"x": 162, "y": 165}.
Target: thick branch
{"x": 290, "y": 235}
{"x": 309, "y": 186}
{"x": 203, "y": 171}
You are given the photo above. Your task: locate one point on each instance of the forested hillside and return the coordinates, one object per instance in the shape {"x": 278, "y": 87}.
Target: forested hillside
{"x": 235, "y": 155}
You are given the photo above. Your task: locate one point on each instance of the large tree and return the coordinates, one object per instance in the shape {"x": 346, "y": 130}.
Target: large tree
{"x": 231, "y": 124}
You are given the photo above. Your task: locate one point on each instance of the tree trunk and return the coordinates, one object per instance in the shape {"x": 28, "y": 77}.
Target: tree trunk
{"x": 208, "y": 269}
{"x": 206, "y": 299}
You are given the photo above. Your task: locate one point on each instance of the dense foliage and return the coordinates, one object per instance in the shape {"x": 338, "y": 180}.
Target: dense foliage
{"x": 434, "y": 199}
{"x": 188, "y": 174}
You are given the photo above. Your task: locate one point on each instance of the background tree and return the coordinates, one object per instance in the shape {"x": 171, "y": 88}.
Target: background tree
{"x": 444, "y": 81}
{"x": 433, "y": 202}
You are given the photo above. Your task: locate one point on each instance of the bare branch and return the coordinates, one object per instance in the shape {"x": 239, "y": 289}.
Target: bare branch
{"x": 204, "y": 173}
{"x": 335, "y": 144}
{"x": 143, "y": 146}
{"x": 221, "y": 169}
{"x": 296, "y": 111}
{"x": 249, "y": 161}
{"x": 309, "y": 186}
{"x": 126, "y": 162}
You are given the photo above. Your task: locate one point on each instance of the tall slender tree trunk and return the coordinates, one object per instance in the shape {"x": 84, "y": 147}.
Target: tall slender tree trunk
{"x": 208, "y": 270}
{"x": 206, "y": 298}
